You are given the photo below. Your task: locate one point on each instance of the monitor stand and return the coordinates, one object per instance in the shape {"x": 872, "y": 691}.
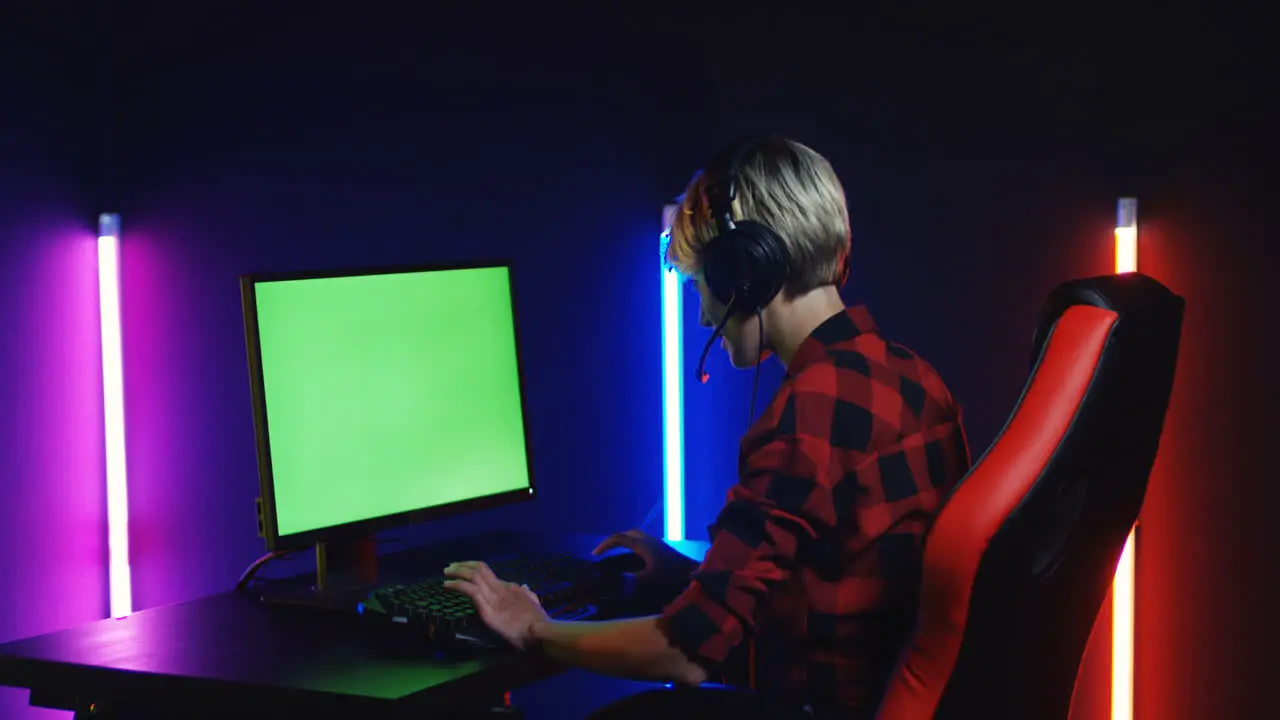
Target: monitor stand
{"x": 346, "y": 571}
{"x": 345, "y": 564}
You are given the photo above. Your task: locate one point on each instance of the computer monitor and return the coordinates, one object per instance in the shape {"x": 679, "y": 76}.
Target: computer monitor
{"x": 383, "y": 398}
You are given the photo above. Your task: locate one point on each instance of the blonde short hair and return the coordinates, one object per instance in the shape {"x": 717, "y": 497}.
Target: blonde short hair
{"x": 787, "y": 187}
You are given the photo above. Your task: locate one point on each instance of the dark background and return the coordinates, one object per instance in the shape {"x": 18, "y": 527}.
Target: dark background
{"x": 983, "y": 154}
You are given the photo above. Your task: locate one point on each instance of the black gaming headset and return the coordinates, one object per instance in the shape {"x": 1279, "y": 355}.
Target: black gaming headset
{"x": 746, "y": 264}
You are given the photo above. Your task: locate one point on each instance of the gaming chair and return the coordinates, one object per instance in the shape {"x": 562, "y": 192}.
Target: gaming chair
{"x": 1020, "y": 559}
{"x": 1021, "y": 556}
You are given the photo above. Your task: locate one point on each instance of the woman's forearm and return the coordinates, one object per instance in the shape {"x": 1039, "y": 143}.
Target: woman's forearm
{"x": 635, "y": 648}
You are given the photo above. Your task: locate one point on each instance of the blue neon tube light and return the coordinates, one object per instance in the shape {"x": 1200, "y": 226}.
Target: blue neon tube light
{"x": 672, "y": 394}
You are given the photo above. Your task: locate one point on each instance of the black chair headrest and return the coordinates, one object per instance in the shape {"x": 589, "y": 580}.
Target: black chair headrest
{"x": 1126, "y": 295}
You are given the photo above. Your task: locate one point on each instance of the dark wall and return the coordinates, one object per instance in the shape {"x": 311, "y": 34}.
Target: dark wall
{"x": 982, "y": 158}
{"x": 334, "y": 143}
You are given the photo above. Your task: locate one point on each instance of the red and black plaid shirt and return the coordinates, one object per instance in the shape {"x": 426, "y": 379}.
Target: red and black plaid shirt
{"x": 814, "y": 561}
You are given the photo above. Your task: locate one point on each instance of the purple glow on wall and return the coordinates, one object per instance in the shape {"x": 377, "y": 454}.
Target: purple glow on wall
{"x": 192, "y": 467}
{"x": 150, "y": 309}
{"x": 52, "y": 523}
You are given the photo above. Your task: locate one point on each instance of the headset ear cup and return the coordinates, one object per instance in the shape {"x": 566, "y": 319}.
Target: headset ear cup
{"x": 766, "y": 264}
{"x": 722, "y": 267}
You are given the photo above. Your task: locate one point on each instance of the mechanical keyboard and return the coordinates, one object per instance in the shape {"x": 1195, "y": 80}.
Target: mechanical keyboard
{"x": 563, "y": 583}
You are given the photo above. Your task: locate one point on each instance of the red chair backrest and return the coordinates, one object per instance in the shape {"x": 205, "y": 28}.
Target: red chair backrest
{"x": 1021, "y": 556}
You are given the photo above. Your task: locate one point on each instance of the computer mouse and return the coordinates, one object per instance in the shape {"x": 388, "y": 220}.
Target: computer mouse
{"x": 623, "y": 563}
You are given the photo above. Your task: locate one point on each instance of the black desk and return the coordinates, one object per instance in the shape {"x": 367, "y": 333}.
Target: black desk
{"x": 232, "y": 656}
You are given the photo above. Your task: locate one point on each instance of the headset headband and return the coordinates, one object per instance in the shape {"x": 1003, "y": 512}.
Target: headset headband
{"x": 722, "y": 184}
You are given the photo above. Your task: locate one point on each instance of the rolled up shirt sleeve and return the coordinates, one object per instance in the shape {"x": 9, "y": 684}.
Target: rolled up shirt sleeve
{"x": 783, "y": 498}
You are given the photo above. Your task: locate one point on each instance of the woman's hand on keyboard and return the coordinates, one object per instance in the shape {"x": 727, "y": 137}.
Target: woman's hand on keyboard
{"x": 508, "y": 609}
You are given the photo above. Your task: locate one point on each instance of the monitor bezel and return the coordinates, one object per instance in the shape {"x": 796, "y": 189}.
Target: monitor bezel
{"x": 269, "y": 526}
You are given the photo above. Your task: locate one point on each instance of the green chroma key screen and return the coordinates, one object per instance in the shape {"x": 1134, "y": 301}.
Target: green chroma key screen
{"x": 389, "y": 393}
